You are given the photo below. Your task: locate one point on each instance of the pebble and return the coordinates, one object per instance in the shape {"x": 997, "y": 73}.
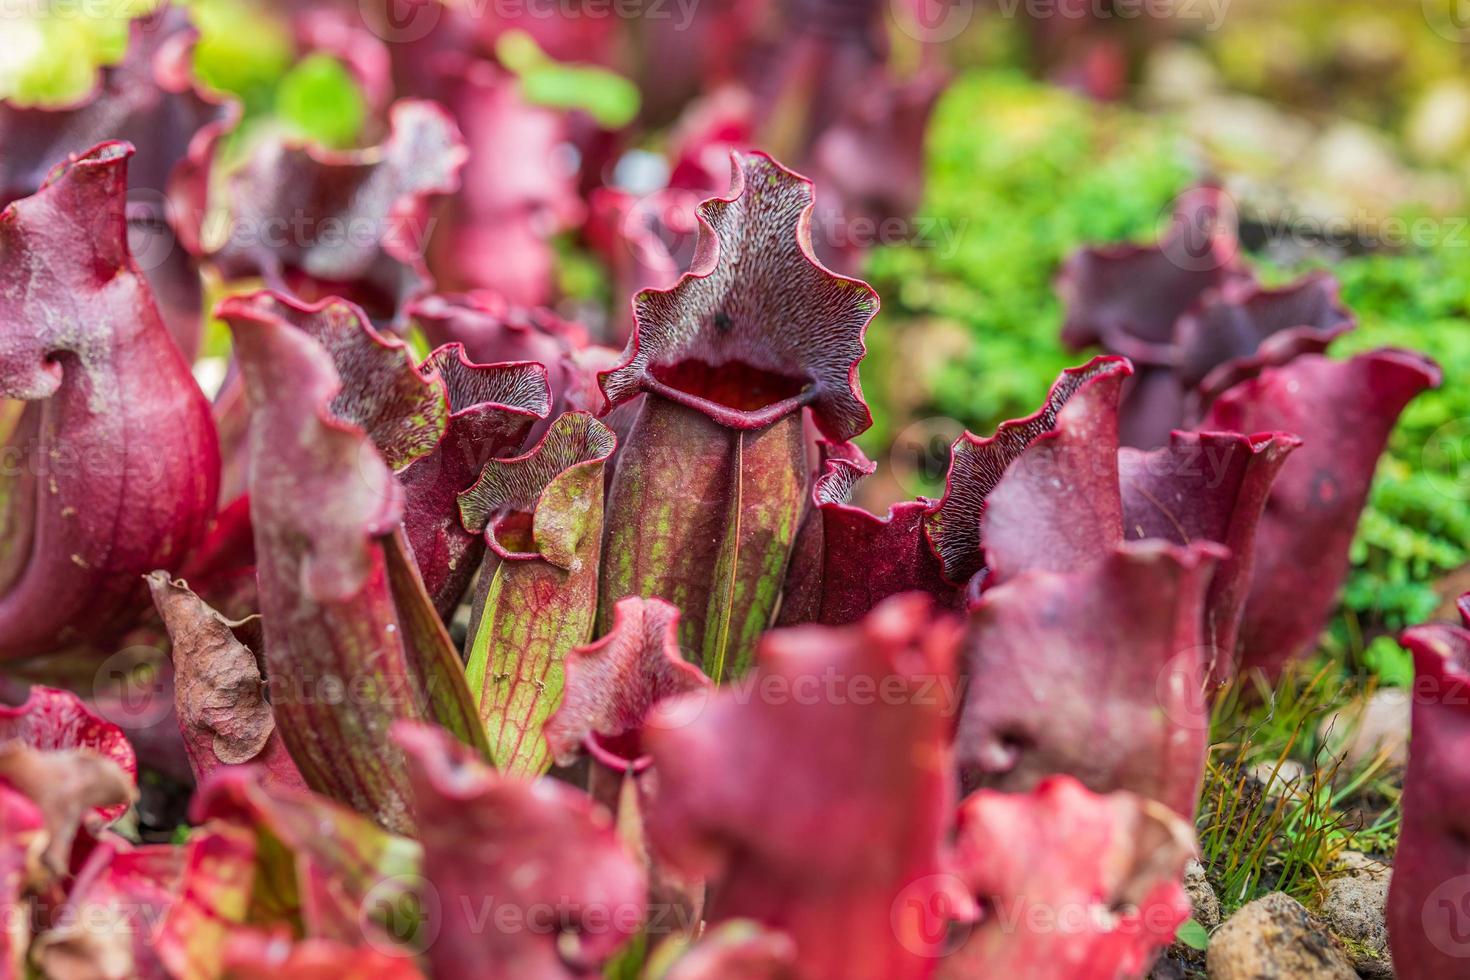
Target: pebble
{"x": 1354, "y": 908}
{"x": 1361, "y": 730}
{"x": 1275, "y": 938}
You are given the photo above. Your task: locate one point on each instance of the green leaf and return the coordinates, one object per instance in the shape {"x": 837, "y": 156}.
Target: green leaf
{"x": 538, "y": 599}
{"x": 52, "y": 58}
{"x": 440, "y": 673}
{"x": 1389, "y": 662}
{"x": 321, "y": 99}
{"x": 241, "y": 50}
{"x": 1193, "y": 935}
{"x": 726, "y": 572}
{"x": 607, "y": 97}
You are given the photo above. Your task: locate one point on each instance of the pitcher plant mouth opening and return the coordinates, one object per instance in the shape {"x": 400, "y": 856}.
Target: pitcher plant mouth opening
{"x": 735, "y": 393}
{"x": 623, "y": 752}
{"x": 758, "y": 327}
{"x": 512, "y": 534}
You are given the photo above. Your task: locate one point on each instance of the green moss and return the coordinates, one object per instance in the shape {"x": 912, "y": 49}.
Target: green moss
{"x": 1019, "y": 175}
{"x": 1417, "y": 526}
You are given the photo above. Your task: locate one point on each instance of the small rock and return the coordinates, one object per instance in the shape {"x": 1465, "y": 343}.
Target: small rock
{"x": 1438, "y": 127}
{"x": 1358, "y": 863}
{"x": 1357, "y": 165}
{"x": 1354, "y": 905}
{"x": 1248, "y": 128}
{"x": 1290, "y": 777}
{"x": 1275, "y": 938}
{"x": 1202, "y": 898}
{"x": 1360, "y": 731}
{"x": 1370, "y": 43}
{"x": 1178, "y": 74}
{"x": 1375, "y": 969}
{"x": 1174, "y": 966}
